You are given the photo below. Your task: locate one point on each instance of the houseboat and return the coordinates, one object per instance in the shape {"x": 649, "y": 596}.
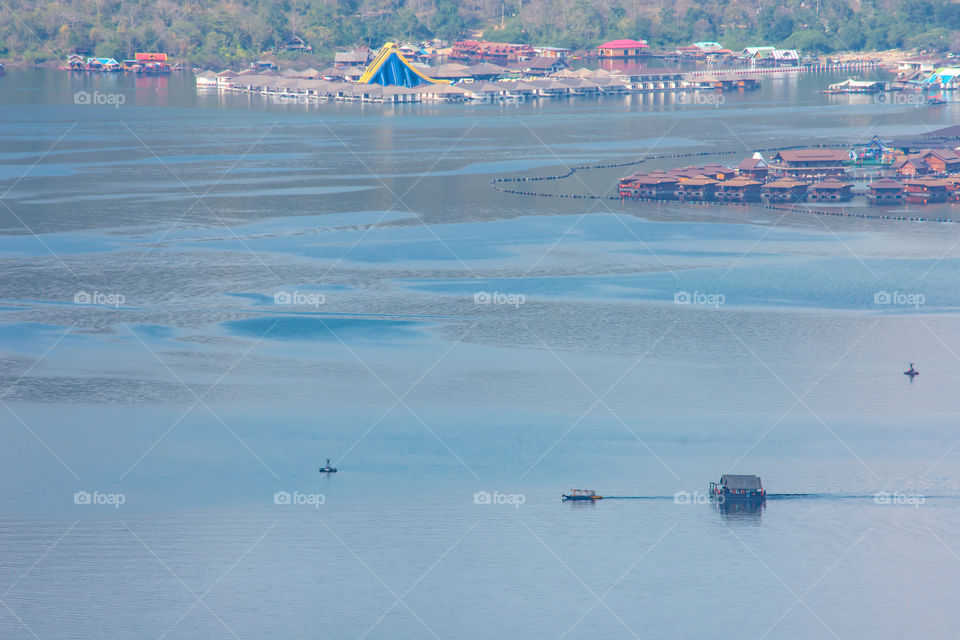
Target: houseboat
{"x": 856, "y": 86}
{"x": 582, "y": 494}
{"x": 737, "y": 488}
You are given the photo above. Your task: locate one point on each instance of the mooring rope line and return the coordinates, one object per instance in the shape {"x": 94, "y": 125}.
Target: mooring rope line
{"x": 495, "y": 182}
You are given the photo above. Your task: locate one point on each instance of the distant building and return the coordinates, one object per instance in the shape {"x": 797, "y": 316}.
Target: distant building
{"x": 708, "y": 47}
{"x": 755, "y": 168}
{"x": 944, "y": 78}
{"x": 925, "y": 190}
{"x": 770, "y": 56}
{"x": 923, "y": 64}
{"x": 296, "y": 43}
{"x": 623, "y": 49}
{"x": 784, "y": 190}
{"x": 355, "y": 57}
{"x": 738, "y": 190}
{"x": 812, "y": 162}
{"x": 552, "y": 52}
{"x": 885, "y": 191}
{"x": 496, "y": 51}
{"x": 540, "y": 66}
{"x": 830, "y": 191}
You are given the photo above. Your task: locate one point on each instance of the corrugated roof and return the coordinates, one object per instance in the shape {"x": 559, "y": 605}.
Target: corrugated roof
{"x": 813, "y": 155}
{"x": 741, "y": 482}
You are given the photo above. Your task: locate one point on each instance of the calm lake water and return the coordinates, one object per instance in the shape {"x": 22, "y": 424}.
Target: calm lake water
{"x": 204, "y": 296}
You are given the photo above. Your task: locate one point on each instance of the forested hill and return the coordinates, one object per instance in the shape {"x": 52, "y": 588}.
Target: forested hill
{"x": 225, "y": 32}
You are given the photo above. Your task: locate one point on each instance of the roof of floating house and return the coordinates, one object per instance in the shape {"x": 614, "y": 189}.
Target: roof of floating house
{"x": 741, "y": 482}
{"x": 390, "y": 68}
{"x": 624, "y": 44}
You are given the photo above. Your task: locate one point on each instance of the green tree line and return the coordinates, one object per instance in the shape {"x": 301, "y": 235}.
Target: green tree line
{"x": 233, "y": 32}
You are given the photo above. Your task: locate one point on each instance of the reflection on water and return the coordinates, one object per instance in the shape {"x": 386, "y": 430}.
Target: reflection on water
{"x": 740, "y": 511}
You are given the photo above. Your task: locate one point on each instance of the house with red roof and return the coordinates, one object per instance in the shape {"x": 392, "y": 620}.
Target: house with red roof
{"x": 623, "y": 49}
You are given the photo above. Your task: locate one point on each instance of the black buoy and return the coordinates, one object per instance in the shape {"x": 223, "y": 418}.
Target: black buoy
{"x": 911, "y": 372}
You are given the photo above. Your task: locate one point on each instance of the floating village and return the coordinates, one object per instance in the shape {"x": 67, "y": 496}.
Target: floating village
{"x": 924, "y": 170}
{"x": 500, "y": 72}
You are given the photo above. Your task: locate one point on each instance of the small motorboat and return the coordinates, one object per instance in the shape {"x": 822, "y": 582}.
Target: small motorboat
{"x": 935, "y": 100}
{"x": 582, "y": 494}
{"x": 911, "y": 372}
{"x": 328, "y": 468}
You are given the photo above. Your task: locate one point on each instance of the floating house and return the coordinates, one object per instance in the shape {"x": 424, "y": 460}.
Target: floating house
{"x": 885, "y": 192}
{"x": 102, "y": 64}
{"x": 944, "y": 78}
{"x": 623, "y": 49}
{"x": 754, "y": 168}
{"x": 552, "y": 52}
{"x": 738, "y": 190}
{"x": 539, "y": 66}
{"x": 153, "y": 62}
{"x": 812, "y": 162}
{"x": 925, "y": 190}
{"x": 718, "y": 171}
{"x": 784, "y": 190}
{"x": 498, "y": 51}
{"x": 737, "y": 488}
{"x": 770, "y": 57}
{"x": 830, "y": 191}
{"x": 76, "y": 62}
{"x": 856, "y": 86}
{"x": 697, "y": 188}
{"x": 649, "y": 186}
{"x": 206, "y": 79}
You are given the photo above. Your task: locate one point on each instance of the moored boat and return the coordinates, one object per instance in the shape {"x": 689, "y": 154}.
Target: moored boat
{"x": 328, "y": 468}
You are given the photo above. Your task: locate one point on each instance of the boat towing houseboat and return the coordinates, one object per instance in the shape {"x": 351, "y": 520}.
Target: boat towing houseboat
{"x": 737, "y": 488}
